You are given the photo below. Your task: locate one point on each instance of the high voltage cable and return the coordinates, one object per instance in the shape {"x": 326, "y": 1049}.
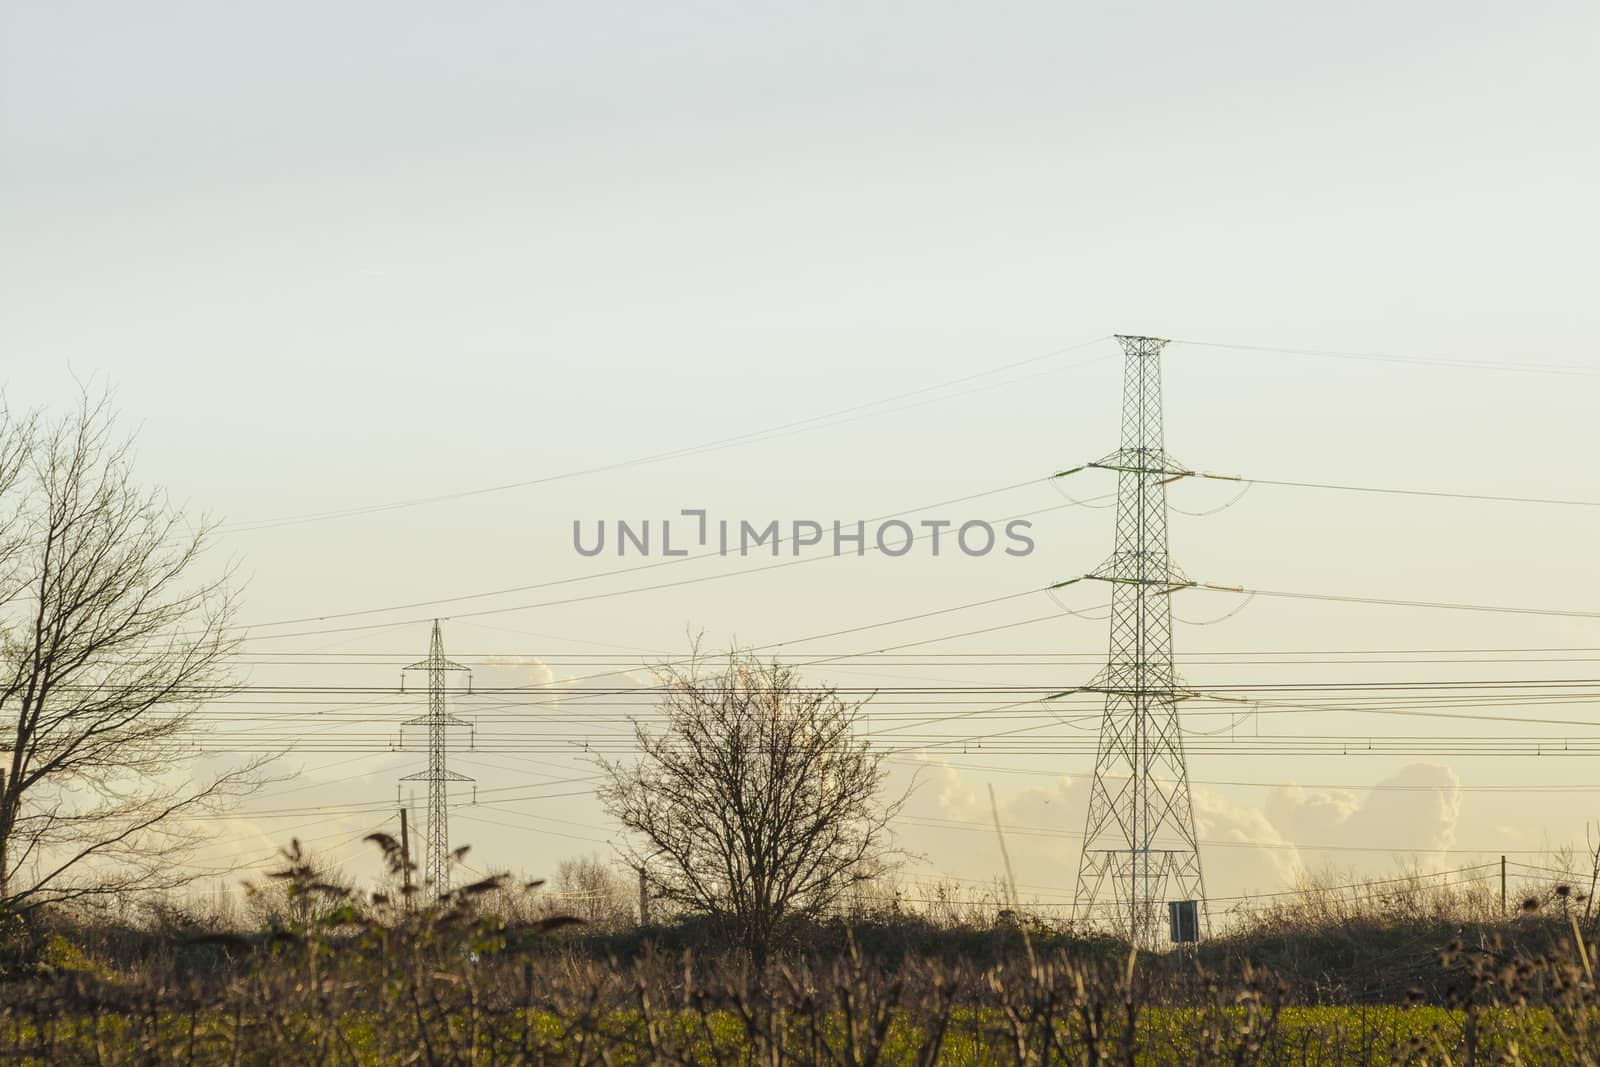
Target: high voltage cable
{"x": 692, "y": 557}
{"x": 1053, "y": 656}
{"x": 1497, "y": 609}
{"x": 469, "y": 817}
{"x": 820, "y": 420}
{"x": 586, "y": 710}
{"x": 940, "y": 689}
{"x": 1352, "y": 787}
{"x": 1276, "y": 593}
{"x": 964, "y": 824}
{"x": 1441, "y": 494}
{"x": 1550, "y": 748}
{"x": 577, "y": 711}
{"x": 1389, "y": 491}
{"x": 1573, "y": 369}
{"x": 276, "y": 855}
{"x": 552, "y": 583}
{"x": 381, "y": 806}
{"x": 947, "y": 688}
{"x": 592, "y": 596}
{"x": 907, "y": 511}
{"x": 264, "y": 524}
{"x": 771, "y": 646}
{"x": 485, "y": 661}
{"x": 977, "y": 826}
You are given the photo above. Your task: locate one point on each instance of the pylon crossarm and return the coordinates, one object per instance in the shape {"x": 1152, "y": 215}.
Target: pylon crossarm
{"x": 430, "y": 665}
{"x": 443, "y": 776}
{"x": 1174, "y": 472}
{"x": 1161, "y": 586}
{"x": 429, "y": 720}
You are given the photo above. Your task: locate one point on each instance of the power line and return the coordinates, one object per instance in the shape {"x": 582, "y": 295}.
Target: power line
{"x": 383, "y": 806}
{"x": 946, "y": 688}
{"x": 1047, "y": 831}
{"x": 1498, "y": 609}
{"x": 552, "y": 583}
{"x": 1390, "y": 491}
{"x": 1571, "y": 369}
{"x": 1176, "y": 473}
{"x": 599, "y": 596}
{"x": 674, "y": 560}
{"x": 358, "y": 658}
{"x": 813, "y": 421}
{"x": 1352, "y": 787}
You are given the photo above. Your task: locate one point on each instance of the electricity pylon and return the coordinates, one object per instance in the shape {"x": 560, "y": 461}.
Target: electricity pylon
{"x": 436, "y": 862}
{"x": 1139, "y": 843}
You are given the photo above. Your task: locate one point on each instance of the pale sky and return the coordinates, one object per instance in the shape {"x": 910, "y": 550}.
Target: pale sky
{"x": 332, "y": 256}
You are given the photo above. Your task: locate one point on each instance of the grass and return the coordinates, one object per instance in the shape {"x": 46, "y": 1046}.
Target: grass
{"x": 488, "y": 978}
{"x": 1308, "y": 1036}
{"x": 411, "y": 994}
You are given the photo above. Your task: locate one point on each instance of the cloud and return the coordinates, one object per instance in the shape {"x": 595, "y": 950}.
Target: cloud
{"x": 544, "y": 688}
{"x": 517, "y": 671}
{"x": 1246, "y": 848}
{"x": 1413, "y": 810}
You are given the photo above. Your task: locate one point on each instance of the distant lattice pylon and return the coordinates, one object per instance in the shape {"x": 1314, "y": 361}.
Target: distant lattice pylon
{"x": 1139, "y": 844}
{"x": 436, "y": 855}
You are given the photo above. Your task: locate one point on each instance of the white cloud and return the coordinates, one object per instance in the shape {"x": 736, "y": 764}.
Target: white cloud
{"x": 1246, "y": 848}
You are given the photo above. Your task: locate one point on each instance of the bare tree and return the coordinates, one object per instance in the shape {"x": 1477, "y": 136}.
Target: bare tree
{"x": 109, "y": 645}
{"x": 595, "y": 892}
{"x": 756, "y": 803}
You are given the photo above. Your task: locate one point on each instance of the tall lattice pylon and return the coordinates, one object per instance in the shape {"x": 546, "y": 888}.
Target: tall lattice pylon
{"x": 436, "y": 857}
{"x": 1139, "y": 843}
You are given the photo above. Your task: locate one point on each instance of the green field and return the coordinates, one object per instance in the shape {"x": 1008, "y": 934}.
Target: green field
{"x": 1309, "y": 1036}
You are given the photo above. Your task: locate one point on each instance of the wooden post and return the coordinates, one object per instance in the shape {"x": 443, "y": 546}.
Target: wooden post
{"x": 644, "y": 898}
{"x": 5, "y": 834}
{"x": 405, "y": 856}
{"x": 1502, "y": 887}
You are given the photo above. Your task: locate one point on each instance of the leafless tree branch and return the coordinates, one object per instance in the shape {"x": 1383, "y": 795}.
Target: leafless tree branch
{"x": 109, "y": 646}
{"x": 756, "y": 803}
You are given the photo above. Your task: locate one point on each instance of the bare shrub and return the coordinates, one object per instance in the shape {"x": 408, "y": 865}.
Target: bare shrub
{"x": 756, "y": 803}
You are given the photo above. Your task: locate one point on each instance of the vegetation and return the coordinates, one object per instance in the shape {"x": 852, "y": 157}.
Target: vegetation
{"x": 495, "y": 974}
{"x": 757, "y": 805}
{"x": 756, "y": 821}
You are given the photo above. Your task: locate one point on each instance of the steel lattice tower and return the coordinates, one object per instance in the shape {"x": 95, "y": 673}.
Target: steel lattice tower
{"x": 1139, "y": 844}
{"x": 436, "y": 862}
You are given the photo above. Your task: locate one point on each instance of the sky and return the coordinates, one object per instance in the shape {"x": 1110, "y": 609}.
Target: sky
{"x": 333, "y": 257}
